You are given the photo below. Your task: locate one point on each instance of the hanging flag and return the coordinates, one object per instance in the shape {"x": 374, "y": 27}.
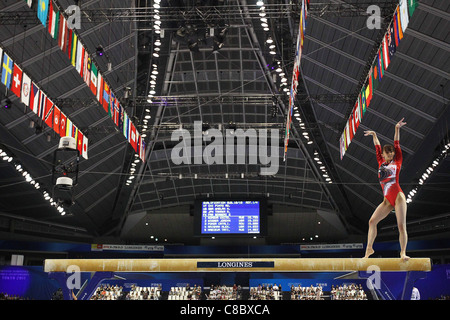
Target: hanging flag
{"x": 100, "y": 88}
{"x": 29, "y": 3}
{"x": 34, "y": 98}
{"x": 133, "y": 136}
{"x": 56, "y": 117}
{"x": 74, "y": 132}
{"x": 62, "y": 124}
{"x": 69, "y": 127}
{"x": 126, "y": 124}
{"x": 68, "y": 48}
{"x": 94, "y": 73}
{"x": 412, "y": 5}
{"x": 399, "y": 23}
{"x": 366, "y": 97}
{"x": 53, "y": 23}
{"x": 111, "y": 104}
{"x": 42, "y": 104}
{"x": 48, "y": 113}
{"x": 404, "y": 16}
{"x": 26, "y": 90}
{"x": 79, "y": 58}
{"x": 363, "y": 103}
{"x": 62, "y": 32}
{"x": 73, "y": 56}
{"x": 84, "y": 151}
{"x": 87, "y": 69}
{"x": 16, "y": 85}
{"x": 7, "y": 70}
{"x": 391, "y": 41}
{"x": 80, "y": 142}
{"x": 386, "y": 56}
{"x": 106, "y": 95}
{"x": 42, "y": 11}
{"x": 116, "y": 112}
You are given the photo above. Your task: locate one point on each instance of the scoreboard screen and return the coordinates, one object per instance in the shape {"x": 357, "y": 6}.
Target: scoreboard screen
{"x": 230, "y": 217}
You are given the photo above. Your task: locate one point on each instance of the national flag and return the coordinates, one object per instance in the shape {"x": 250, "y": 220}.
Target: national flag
{"x": 99, "y": 87}
{"x": 404, "y": 16}
{"x": 74, "y": 132}
{"x": 84, "y": 150}
{"x": 363, "y": 104}
{"x": 62, "y": 32}
{"x": 112, "y": 99}
{"x": 48, "y": 113}
{"x": 366, "y": 97}
{"x": 121, "y": 116}
{"x": 53, "y": 21}
{"x": 34, "y": 98}
{"x": 133, "y": 136}
{"x": 56, "y": 118}
{"x": 7, "y": 70}
{"x": 126, "y": 124}
{"x": 391, "y": 41}
{"x": 106, "y": 95}
{"x": 94, "y": 79}
{"x": 116, "y": 112}
{"x": 357, "y": 116}
{"x": 380, "y": 65}
{"x": 374, "y": 78}
{"x": 62, "y": 124}
{"x": 69, "y": 127}
{"x": 399, "y": 23}
{"x": 347, "y": 130}
{"x": 342, "y": 147}
{"x": 386, "y": 56}
{"x": 412, "y": 5}
{"x": 42, "y": 105}
{"x": 16, "y": 85}
{"x": 79, "y": 58}
{"x": 73, "y": 56}
{"x": 87, "y": 69}
{"x": 80, "y": 142}
{"x": 26, "y": 90}
{"x": 42, "y": 11}
{"x": 68, "y": 48}
{"x": 29, "y": 3}
{"x": 143, "y": 147}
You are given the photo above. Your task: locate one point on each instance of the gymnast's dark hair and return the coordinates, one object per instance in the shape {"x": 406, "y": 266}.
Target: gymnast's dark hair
{"x": 388, "y": 148}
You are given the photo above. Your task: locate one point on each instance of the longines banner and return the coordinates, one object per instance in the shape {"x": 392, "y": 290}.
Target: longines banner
{"x": 236, "y": 264}
{"x": 120, "y": 247}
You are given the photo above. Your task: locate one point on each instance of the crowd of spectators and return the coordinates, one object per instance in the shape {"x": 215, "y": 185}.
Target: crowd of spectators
{"x": 266, "y": 292}
{"x": 307, "y": 293}
{"x": 185, "y": 293}
{"x": 108, "y": 292}
{"x": 6, "y": 296}
{"x": 348, "y": 292}
{"x": 144, "y": 293}
{"x": 224, "y": 293}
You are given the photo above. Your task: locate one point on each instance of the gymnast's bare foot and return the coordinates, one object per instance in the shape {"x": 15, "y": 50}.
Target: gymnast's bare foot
{"x": 404, "y": 257}
{"x": 369, "y": 252}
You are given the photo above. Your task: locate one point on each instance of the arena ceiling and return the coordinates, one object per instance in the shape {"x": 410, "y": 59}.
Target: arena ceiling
{"x": 233, "y": 85}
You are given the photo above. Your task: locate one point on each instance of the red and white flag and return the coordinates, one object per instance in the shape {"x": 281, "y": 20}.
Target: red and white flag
{"x": 26, "y": 90}
{"x": 16, "y": 84}
{"x": 56, "y": 116}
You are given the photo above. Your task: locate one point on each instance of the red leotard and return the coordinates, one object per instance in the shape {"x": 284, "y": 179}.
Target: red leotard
{"x": 388, "y": 173}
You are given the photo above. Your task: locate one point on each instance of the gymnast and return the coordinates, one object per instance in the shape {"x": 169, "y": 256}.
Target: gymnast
{"x": 389, "y": 165}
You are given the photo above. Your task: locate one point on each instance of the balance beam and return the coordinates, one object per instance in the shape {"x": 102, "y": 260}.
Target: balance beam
{"x": 237, "y": 265}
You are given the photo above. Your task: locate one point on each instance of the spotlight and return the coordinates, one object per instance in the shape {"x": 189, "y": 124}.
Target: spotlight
{"x": 100, "y": 51}
{"x": 6, "y": 103}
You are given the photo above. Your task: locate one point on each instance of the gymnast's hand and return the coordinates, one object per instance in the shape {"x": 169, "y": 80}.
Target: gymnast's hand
{"x": 400, "y": 123}
{"x": 369, "y": 133}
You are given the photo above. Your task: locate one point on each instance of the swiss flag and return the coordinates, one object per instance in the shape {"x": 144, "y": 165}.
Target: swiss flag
{"x": 16, "y": 85}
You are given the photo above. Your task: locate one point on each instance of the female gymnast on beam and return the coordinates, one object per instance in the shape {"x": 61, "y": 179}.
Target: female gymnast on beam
{"x": 389, "y": 164}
